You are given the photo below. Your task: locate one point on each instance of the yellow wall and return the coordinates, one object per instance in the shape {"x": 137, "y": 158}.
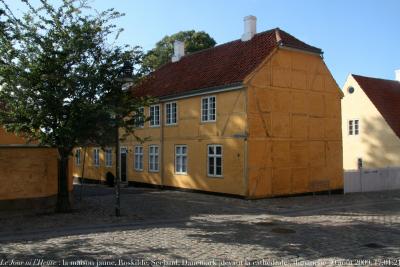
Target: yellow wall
{"x": 28, "y": 173}
{"x": 376, "y": 144}
{"x": 295, "y": 142}
{"x": 10, "y": 138}
{"x": 91, "y": 171}
{"x": 290, "y": 111}
{"x": 196, "y": 135}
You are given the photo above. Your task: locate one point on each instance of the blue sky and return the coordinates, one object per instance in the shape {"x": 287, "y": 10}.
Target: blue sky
{"x": 357, "y": 36}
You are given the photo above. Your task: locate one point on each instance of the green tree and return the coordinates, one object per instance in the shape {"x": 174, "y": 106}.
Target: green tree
{"x": 161, "y": 54}
{"x": 60, "y": 79}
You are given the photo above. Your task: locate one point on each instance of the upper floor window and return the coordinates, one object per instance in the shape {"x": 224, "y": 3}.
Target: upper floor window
{"x": 354, "y": 127}
{"x": 155, "y": 115}
{"x": 208, "y": 108}
{"x": 170, "y": 113}
{"x": 214, "y": 163}
{"x": 140, "y": 119}
{"x": 181, "y": 159}
{"x": 154, "y": 164}
{"x": 96, "y": 157}
{"x": 78, "y": 157}
{"x": 138, "y": 158}
{"x": 108, "y": 157}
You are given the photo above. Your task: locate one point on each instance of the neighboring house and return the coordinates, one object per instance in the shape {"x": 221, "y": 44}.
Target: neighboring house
{"x": 371, "y": 122}
{"x": 28, "y": 174}
{"x": 256, "y": 117}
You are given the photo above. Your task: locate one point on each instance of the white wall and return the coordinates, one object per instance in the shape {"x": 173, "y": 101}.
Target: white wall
{"x": 372, "y": 180}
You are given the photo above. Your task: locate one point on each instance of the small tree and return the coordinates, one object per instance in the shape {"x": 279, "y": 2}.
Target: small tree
{"x": 161, "y": 54}
{"x": 59, "y": 79}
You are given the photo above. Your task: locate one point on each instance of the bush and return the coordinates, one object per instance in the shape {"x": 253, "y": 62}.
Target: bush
{"x": 110, "y": 178}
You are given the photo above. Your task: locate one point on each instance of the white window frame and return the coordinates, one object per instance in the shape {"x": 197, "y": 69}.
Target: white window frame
{"x": 179, "y": 156}
{"x": 154, "y": 166}
{"x": 351, "y": 127}
{"x": 153, "y": 116}
{"x": 78, "y": 157}
{"x": 108, "y": 156}
{"x": 141, "y": 125}
{"x": 208, "y": 113}
{"x": 96, "y": 157}
{"x": 215, "y": 156}
{"x": 168, "y": 121}
{"x": 138, "y": 158}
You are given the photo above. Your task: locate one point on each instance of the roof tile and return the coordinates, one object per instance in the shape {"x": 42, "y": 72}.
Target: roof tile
{"x": 222, "y": 65}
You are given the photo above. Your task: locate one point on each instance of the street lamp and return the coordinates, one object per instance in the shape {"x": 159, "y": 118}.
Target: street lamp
{"x": 126, "y": 79}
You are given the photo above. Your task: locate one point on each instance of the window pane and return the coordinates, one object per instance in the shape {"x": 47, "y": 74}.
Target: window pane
{"x": 211, "y": 150}
{"x": 211, "y": 165}
{"x": 218, "y": 150}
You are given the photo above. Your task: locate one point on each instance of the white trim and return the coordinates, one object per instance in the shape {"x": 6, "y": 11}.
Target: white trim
{"x": 159, "y": 116}
{"x": 94, "y": 157}
{"x": 166, "y": 113}
{"x": 215, "y": 165}
{"x": 208, "y": 92}
{"x": 182, "y": 155}
{"x": 142, "y": 158}
{"x": 78, "y": 162}
{"x": 158, "y": 158}
{"x": 105, "y": 156}
{"x": 201, "y": 109}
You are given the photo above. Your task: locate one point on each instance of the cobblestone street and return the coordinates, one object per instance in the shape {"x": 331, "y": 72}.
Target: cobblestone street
{"x": 173, "y": 225}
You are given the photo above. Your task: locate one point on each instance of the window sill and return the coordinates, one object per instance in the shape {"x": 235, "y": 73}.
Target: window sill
{"x": 215, "y": 176}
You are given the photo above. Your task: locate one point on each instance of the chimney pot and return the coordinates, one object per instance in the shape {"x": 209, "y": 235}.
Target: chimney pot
{"x": 179, "y": 50}
{"x": 250, "y": 27}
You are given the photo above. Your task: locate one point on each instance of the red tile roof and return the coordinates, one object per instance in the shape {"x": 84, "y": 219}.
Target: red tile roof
{"x": 220, "y": 66}
{"x": 385, "y": 94}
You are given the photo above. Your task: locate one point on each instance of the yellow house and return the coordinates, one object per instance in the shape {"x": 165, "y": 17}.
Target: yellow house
{"x": 371, "y": 122}
{"x": 255, "y": 117}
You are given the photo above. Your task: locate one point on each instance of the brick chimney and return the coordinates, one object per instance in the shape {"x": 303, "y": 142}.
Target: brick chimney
{"x": 250, "y": 28}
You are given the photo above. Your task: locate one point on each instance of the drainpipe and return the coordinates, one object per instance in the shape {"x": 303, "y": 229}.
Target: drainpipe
{"x": 162, "y": 143}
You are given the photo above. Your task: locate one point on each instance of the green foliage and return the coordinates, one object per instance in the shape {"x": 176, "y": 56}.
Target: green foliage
{"x": 59, "y": 78}
{"x": 60, "y": 75}
{"x": 161, "y": 54}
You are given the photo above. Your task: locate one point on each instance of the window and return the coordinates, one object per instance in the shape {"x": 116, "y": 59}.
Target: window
{"x": 214, "y": 164}
{"x": 170, "y": 113}
{"x": 108, "y": 157}
{"x": 78, "y": 157}
{"x": 354, "y": 127}
{"x": 153, "y": 158}
{"x": 96, "y": 156}
{"x": 140, "y": 119}
{"x": 138, "y": 164}
{"x": 350, "y": 89}
{"x": 181, "y": 159}
{"x": 208, "y": 108}
{"x": 155, "y": 115}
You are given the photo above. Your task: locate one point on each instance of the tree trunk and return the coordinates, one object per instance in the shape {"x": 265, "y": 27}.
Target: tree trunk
{"x": 63, "y": 201}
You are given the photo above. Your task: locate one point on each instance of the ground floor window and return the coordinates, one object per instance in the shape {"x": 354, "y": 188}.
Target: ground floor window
{"x": 154, "y": 164}
{"x": 96, "y": 157}
{"x": 214, "y": 160}
{"x": 181, "y": 159}
{"x": 108, "y": 157}
{"x": 78, "y": 157}
{"x": 138, "y": 164}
